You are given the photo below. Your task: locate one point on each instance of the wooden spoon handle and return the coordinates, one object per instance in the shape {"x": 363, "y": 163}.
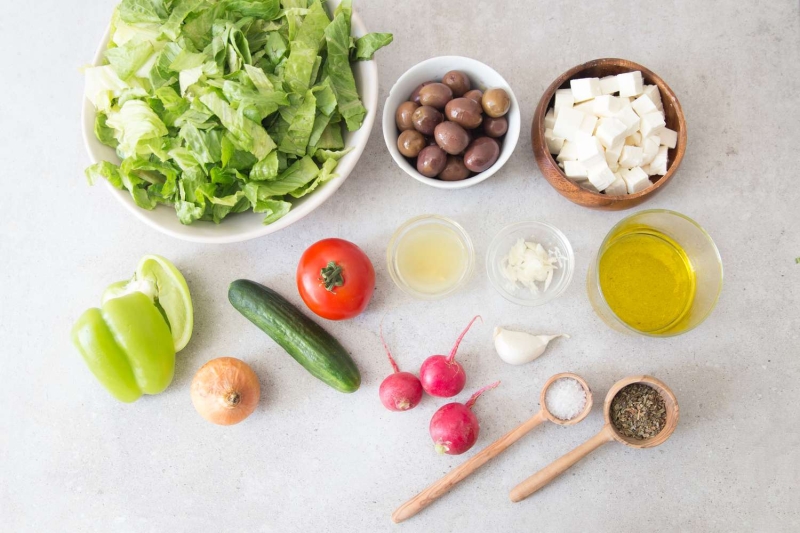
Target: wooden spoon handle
{"x": 432, "y": 493}
{"x": 559, "y": 466}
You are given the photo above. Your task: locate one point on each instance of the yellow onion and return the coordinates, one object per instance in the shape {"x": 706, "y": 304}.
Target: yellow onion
{"x": 225, "y": 391}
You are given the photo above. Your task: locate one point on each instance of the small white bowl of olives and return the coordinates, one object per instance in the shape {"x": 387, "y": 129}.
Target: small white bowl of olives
{"x": 451, "y": 122}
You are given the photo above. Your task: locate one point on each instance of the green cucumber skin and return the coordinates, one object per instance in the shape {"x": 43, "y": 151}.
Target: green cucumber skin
{"x": 310, "y": 345}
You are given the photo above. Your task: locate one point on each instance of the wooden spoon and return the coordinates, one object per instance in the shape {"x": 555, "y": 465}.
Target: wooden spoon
{"x": 607, "y": 434}
{"x": 432, "y": 493}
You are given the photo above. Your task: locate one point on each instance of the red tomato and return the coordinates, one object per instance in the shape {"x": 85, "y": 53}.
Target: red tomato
{"x": 335, "y": 279}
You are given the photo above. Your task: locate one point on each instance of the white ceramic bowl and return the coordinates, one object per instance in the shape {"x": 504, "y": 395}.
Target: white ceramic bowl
{"x": 483, "y": 77}
{"x": 550, "y": 238}
{"x": 244, "y": 226}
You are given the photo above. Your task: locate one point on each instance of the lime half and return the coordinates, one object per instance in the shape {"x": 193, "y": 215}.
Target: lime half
{"x": 171, "y": 295}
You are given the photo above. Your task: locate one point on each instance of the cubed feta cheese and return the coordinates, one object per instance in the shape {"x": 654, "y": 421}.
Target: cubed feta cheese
{"x": 564, "y": 100}
{"x": 631, "y": 120}
{"x": 612, "y": 156}
{"x": 631, "y": 156}
{"x": 617, "y": 187}
{"x": 575, "y": 170}
{"x": 659, "y": 164}
{"x": 630, "y": 83}
{"x": 644, "y": 105}
{"x": 634, "y": 140}
{"x": 609, "y": 85}
{"x": 669, "y": 138}
{"x": 554, "y": 144}
{"x": 652, "y": 123}
{"x": 654, "y": 94}
{"x": 588, "y": 124}
{"x": 550, "y": 119}
{"x": 606, "y": 105}
{"x": 636, "y": 179}
{"x": 568, "y": 122}
{"x": 585, "y": 107}
{"x": 601, "y": 177}
{"x": 590, "y": 153}
{"x": 588, "y": 186}
{"x": 649, "y": 149}
{"x": 585, "y": 88}
{"x": 611, "y": 131}
{"x": 569, "y": 152}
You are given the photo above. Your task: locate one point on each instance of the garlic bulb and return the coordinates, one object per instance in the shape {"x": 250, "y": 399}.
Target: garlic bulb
{"x": 518, "y": 347}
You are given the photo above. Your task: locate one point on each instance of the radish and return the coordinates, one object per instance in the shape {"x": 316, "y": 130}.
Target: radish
{"x": 400, "y": 391}
{"x": 442, "y": 375}
{"x": 454, "y": 427}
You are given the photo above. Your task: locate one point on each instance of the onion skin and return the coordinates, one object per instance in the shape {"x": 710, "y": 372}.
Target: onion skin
{"x": 225, "y": 391}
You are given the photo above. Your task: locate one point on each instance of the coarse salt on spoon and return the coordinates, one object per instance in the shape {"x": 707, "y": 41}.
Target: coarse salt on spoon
{"x": 607, "y": 434}
{"x": 432, "y": 493}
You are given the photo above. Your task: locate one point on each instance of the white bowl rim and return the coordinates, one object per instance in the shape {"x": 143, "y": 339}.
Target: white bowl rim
{"x": 546, "y": 296}
{"x": 510, "y": 140}
{"x": 358, "y": 141}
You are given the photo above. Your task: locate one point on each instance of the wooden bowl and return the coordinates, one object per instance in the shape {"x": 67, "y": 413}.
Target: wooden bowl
{"x": 549, "y": 166}
{"x": 671, "y": 404}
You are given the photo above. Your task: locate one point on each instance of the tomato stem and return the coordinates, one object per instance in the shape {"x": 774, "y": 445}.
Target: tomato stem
{"x": 331, "y": 276}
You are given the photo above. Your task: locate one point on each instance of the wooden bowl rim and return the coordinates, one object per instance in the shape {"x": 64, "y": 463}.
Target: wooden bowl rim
{"x": 673, "y": 411}
{"x": 538, "y": 126}
{"x": 586, "y": 408}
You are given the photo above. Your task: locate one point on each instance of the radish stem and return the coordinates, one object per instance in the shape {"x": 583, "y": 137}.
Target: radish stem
{"x": 478, "y": 393}
{"x": 458, "y": 340}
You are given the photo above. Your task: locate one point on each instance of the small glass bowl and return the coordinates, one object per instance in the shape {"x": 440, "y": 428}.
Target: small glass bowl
{"x": 550, "y": 238}
{"x": 391, "y": 254}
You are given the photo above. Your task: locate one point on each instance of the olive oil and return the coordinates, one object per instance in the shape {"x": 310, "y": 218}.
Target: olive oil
{"x": 431, "y": 258}
{"x": 647, "y": 280}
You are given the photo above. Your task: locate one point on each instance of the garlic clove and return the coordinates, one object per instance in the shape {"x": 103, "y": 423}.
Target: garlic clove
{"x": 519, "y": 347}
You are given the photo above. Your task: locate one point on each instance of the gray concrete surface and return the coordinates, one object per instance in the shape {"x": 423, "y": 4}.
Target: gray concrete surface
{"x": 311, "y": 459}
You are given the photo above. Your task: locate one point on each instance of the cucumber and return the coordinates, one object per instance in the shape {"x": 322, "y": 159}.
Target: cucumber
{"x": 304, "y": 339}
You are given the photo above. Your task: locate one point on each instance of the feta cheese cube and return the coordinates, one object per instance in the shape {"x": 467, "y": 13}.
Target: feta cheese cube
{"x": 601, "y": 177}
{"x": 568, "y": 122}
{"x": 612, "y": 156}
{"x": 617, "y": 187}
{"x": 631, "y": 156}
{"x": 569, "y": 152}
{"x": 669, "y": 138}
{"x": 635, "y": 179}
{"x": 586, "y": 107}
{"x": 588, "y": 186}
{"x": 611, "y": 132}
{"x": 654, "y": 94}
{"x": 659, "y": 164}
{"x": 652, "y": 123}
{"x": 588, "y": 124}
{"x": 606, "y": 105}
{"x": 554, "y": 143}
{"x": 609, "y": 85}
{"x": 630, "y": 83}
{"x": 564, "y": 100}
{"x": 634, "y": 140}
{"x": 575, "y": 170}
{"x": 591, "y": 153}
{"x": 643, "y": 105}
{"x": 550, "y": 118}
{"x": 630, "y": 119}
{"x": 585, "y": 88}
{"x": 650, "y": 149}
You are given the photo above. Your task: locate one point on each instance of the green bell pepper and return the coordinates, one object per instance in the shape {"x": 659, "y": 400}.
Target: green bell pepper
{"x": 127, "y": 345}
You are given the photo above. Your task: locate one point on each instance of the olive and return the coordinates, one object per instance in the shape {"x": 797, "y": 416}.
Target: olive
{"x": 425, "y": 118}
{"x": 495, "y": 102}
{"x": 454, "y": 170}
{"x": 410, "y": 143}
{"x": 495, "y": 127}
{"x": 435, "y": 95}
{"x": 457, "y": 81}
{"x": 451, "y": 137}
{"x": 475, "y": 95}
{"x": 464, "y": 112}
{"x": 431, "y": 161}
{"x": 481, "y": 154}
{"x": 415, "y": 93}
{"x": 403, "y": 115}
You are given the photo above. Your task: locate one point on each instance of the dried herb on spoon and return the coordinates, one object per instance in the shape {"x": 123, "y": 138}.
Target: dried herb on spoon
{"x": 638, "y": 411}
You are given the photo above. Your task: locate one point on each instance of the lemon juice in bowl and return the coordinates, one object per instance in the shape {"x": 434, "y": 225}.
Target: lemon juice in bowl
{"x": 657, "y": 273}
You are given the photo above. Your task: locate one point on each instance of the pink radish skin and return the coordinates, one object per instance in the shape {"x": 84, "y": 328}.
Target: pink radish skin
{"x": 400, "y": 391}
{"x": 454, "y": 427}
{"x": 443, "y": 376}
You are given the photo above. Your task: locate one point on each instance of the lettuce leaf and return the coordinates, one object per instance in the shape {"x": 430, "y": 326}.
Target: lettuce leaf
{"x": 337, "y": 36}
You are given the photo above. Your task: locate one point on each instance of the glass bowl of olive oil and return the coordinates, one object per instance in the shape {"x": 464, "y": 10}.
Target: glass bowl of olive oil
{"x": 430, "y": 257}
{"x": 657, "y": 273}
